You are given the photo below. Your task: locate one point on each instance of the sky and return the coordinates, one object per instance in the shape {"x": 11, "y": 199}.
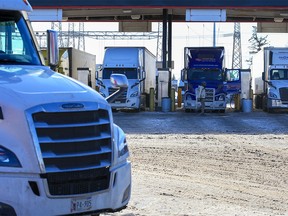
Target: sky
{"x": 183, "y": 35}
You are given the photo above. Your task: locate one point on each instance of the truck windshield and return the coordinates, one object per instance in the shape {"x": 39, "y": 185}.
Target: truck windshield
{"x": 205, "y": 74}
{"x": 130, "y": 73}
{"x": 279, "y": 74}
{"x": 15, "y": 41}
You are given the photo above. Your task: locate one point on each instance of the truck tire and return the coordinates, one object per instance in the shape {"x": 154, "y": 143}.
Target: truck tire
{"x": 269, "y": 110}
{"x": 143, "y": 100}
{"x": 264, "y": 104}
{"x": 258, "y": 102}
{"x": 222, "y": 111}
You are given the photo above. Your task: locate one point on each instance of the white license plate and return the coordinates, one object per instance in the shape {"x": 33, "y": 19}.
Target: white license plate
{"x": 79, "y": 205}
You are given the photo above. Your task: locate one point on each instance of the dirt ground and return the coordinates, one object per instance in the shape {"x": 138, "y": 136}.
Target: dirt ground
{"x": 208, "y": 174}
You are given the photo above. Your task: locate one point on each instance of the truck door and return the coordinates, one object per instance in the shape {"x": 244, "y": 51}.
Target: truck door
{"x": 233, "y": 81}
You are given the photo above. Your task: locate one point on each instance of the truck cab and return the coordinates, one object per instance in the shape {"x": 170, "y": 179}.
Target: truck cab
{"x": 276, "y": 88}
{"x": 138, "y": 65}
{"x": 270, "y": 78}
{"x": 206, "y": 64}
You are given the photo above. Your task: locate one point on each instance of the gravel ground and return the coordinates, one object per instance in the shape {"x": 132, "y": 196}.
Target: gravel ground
{"x": 236, "y": 166}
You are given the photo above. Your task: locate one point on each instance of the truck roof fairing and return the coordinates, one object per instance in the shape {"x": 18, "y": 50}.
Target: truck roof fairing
{"x": 15, "y": 5}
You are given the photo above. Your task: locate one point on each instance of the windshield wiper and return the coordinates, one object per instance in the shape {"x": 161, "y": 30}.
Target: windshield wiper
{"x": 14, "y": 61}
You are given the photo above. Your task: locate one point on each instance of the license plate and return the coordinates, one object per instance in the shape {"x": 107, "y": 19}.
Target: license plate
{"x": 79, "y": 205}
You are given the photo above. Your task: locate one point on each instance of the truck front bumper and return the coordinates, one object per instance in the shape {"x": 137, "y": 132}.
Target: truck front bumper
{"x": 276, "y": 104}
{"x": 131, "y": 103}
{"x": 215, "y": 105}
{"x": 27, "y": 195}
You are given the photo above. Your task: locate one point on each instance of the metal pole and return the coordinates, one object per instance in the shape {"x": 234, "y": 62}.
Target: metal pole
{"x": 169, "y": 52}
{"x": 214, "y": 34}
{"x": 164, "y": 42}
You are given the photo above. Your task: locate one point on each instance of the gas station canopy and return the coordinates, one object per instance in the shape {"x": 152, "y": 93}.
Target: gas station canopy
{"x": 148, "y": 10}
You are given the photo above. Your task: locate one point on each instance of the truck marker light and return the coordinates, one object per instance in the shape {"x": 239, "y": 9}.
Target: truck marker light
{"x": 26, "y": 2}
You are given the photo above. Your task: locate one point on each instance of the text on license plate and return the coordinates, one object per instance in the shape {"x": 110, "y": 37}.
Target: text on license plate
{"x": 78, "y": 205}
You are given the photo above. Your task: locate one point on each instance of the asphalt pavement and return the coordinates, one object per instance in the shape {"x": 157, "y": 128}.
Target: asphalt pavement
{"x": 180, "y": 122}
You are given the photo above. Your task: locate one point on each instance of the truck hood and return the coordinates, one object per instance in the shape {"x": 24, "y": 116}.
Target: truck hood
{"x": 28, "y": 89}
{"x": 32, "y": 85}
{"x": 280, "y": 83}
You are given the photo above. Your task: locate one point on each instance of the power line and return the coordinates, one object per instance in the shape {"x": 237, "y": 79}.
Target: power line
{"x": 72, "y": 37}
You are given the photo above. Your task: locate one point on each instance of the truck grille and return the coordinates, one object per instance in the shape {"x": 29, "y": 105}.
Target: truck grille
{"x": 76, "y": 150}
{"x": 284, "y": 95}
{"x": 122, "y": 98}
{"x": 209, "y": 95}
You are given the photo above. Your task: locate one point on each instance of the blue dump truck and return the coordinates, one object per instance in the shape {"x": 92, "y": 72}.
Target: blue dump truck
{"x": 207, "y": 64}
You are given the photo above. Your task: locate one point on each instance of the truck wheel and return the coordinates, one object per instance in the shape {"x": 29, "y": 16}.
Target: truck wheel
{"x": 258, "y": 102}
{"x": 264, "y": 104}
{"x": 187, "y": 110}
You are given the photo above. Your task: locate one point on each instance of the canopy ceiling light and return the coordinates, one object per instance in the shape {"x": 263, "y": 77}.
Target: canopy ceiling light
{"x": 127, "y": 11}
{"x": 135, "y": 17}
{"x": 278, "y": 19}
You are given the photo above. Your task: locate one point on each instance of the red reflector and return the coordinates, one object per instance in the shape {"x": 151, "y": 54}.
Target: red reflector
{"x": 26, "y": 2}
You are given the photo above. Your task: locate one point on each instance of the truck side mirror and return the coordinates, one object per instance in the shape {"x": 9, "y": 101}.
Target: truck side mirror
{"x": 263, "y": 76}
{"x": 119, "y": 81}
{"x": 53, "y": 49}
{"x": 144, "y": 75}
{"x": 183, "y": 75}
{"x": 99, "y": 80}
{"x": 96, "y": 74}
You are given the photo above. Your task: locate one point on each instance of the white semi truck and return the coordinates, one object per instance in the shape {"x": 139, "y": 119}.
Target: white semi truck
{"x": 77, "y": 64}
{"x": 60, "y": 152}
{"x": 270, "y": 78}
{"x": 139, "y": 66}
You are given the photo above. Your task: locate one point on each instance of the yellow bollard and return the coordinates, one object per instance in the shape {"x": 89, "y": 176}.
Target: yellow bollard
{"x": 151, "y": 100}
{"x": 172, "y": 99}
{"x": 97, "y": 88}
{"x": 179, "y": 98}
{"x": 237, "y": 102}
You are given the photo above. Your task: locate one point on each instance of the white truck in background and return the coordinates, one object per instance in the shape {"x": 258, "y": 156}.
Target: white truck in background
{"x": 60, "y": 152}
{"x": 77, "y": 64}
{"x": 139, "y": 66}
{"x": 270, "y": 78}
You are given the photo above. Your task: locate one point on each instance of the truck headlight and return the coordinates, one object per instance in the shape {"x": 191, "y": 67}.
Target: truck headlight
{"x": 221, "y": 98}
{"x": 8, "y": 158}
{"x": 134, "y": 94}
{"x": 272, "y": 95}
{"x": 188, "y": 97}
{"x": 122, "y": 146}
